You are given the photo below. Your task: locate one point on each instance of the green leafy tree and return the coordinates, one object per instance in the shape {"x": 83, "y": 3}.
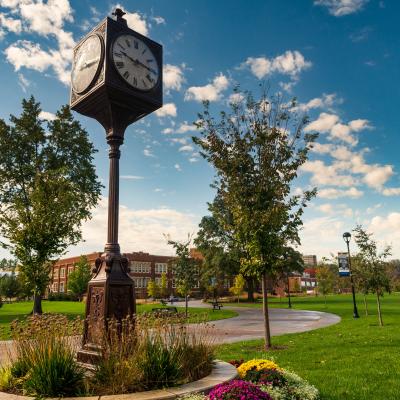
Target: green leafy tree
{"x": 153, "y": 290}
{"x": 186, "y": 269}
{"x": 79, "y": 278}
{"x": 326, "y": 279}
{"x": 221, "y": 251}
{"x": 238, "y": 286}
{"x": 373, "y": 266}
{"x": 48, "y": 185}
{"x": 9, "y": 286}
{"x": 257, "y": 149}
{"x": 8, "y": 265}
{"x": 164, "y": 285}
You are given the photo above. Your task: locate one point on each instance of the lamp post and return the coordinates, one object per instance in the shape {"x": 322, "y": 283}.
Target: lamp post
{"x": 347, "y": 237}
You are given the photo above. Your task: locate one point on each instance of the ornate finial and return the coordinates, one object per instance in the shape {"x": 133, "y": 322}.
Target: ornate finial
{"x": 119, "y": 14}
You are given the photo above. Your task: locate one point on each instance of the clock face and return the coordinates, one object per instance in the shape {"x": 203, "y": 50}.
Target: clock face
{"x": 87, "y": 63}
{"x": 135, "y": 62}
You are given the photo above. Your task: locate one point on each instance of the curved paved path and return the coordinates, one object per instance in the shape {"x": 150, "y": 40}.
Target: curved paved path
{"x": 248, "y": 324}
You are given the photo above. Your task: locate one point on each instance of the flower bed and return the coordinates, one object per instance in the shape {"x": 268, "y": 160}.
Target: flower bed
{"x": 261, "y": 380}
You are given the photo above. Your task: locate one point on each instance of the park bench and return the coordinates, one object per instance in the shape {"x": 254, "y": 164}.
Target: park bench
{"x": 165, "y": 310}
{"x": 216, "y": 305}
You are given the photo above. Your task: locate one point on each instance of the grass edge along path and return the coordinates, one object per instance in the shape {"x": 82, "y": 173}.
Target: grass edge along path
{"x": 354, "y": 359}
{"x": 10, "y": 312}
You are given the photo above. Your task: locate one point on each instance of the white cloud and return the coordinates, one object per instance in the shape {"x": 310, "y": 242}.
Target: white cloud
{"x": 135, "y": 20}
{"x": 326, "y": 101}
{"x": 23, "y": 82}
{"x": 147, "y": 152}
{"x": 331, "y": 193}
{"x": 47, "y": 116}
{"x": 167, "y": 131}
{"x": 178, "y": 167}
{"x": 289, "y": 63}
{"x": 159, "y": 20}
{"x": 336, "y": 209}
{"x": 338, "y": 8}
{"x": 132, "y": 177}
{"x": 10, "y": 24}
{"x": 140, "y": 229}
{"x": 186, "y": 148}
{"x": 391, "y": 191}
{"x": 236, "y": 98}
{"x": 330, "y": 123}
{"x": 211, "y": 92}
{"x": 185, "y": 127}
{"x": 173, "y": 77}
{"x": 167, "y": 110}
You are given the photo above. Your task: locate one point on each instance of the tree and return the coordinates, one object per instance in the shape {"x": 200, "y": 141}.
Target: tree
{"x": 9, "y": 286}
{"x": 185, "y": 268}
{"x": 374, "y": 265}
{"x": 326, "y": 279}
{"x": 8, "y": 265}
{"x": 256, "y": 149}
{"x": 153, "y": 290}
{"x": 48, "y": 185}
{"x": 238, "y": 286}
{"x": 79, "y": 278}
{"x": 360, "y": 277}
{"x": 164, "y": 285}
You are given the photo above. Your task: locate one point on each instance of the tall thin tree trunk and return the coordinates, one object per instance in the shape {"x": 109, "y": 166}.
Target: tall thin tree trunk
{"x": 37, "y": 304}
{"x": 186, "y": 305}
{"x": 250, "y": 289}
{"x": 267, "y": 331}
{"x": 325, "y": 299}
{"x": 379, "y": 309}
{"x": 365, "y": 305}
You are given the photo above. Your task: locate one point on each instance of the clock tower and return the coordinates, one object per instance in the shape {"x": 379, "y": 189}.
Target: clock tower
{"x": 116, "y": 79}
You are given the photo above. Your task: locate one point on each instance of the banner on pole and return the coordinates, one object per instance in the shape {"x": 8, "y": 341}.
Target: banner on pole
{"x": 343, "y": 260}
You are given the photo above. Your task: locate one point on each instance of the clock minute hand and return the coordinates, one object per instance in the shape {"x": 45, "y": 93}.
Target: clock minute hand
{"x": 145, "y": 66}
{"x": 130, "y": 58}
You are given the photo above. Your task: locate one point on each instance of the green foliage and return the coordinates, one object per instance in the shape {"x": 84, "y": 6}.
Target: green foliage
{"x": 238, "y": 286}
{"x": 48, "y": 185}
{"x": 326, "y": 279}
{"x": 8, "y": 265}
{"x": 371, "y": 269}
{"x": 186, "y": 269}
{"x": 152, "y": 353}
{"x": 45, "y": 363}
{"x": 9, "y": 286}
{"x": 59, "y": 296}
{"x": 257, "y": 149}
{"x": 153, "y": 290}
{"x": 79, "y": 278}
{"x": 164, "y": 285}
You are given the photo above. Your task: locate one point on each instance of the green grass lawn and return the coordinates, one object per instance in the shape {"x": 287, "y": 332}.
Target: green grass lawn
{"x": 10, "y": 312}
{"x": 355, "y": 359}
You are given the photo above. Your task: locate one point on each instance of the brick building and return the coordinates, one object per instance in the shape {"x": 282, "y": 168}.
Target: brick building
{"x": 144, "y": 267}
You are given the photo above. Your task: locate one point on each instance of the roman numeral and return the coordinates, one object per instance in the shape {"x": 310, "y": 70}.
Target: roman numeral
{"x": 128, "y": 43}
{"x": 136, "y": 44}
{"x": 144, "y": 51}
{"x": 120, "y": 45}
{"x": 117, "y": 54}
{"x": 144, "y": 83}
{"x": 134, "y": 81}
{"x": 126, "y": 75}
{"x": 119, "y": 64}
{"x": 149, "y": 60}
{"x": 149, "y": 78}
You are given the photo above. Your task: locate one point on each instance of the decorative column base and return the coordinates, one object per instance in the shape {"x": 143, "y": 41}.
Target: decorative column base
{"x": 111, "y": 295}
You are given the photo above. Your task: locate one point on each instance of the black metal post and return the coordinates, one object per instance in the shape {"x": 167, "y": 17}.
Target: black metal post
{"x": 288, "y": 290}
{"x": 355, "y": 311}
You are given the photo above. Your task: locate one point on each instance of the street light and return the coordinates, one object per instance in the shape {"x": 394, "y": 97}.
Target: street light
{"x": 347, "y": 237}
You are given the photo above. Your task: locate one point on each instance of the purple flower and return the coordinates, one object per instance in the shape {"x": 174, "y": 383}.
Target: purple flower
{"x": 238, "y": 390}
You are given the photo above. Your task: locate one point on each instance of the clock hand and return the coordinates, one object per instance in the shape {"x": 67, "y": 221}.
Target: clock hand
{"x": 130, "y": 58}
{"x": 89, "y": 63}
{"x": 145, "y": 66}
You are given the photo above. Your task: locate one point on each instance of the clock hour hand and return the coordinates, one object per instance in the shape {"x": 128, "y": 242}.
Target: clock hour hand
{"x": 130, "y": 58}
{"x": 145, "y": 66}
{"x": 88, "y": 63}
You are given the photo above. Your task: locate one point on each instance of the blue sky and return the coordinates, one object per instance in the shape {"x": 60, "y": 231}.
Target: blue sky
{"x": 340, "y": 58}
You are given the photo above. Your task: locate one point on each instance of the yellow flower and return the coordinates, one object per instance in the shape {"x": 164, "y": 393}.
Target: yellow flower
{"x": 256, "y": 364}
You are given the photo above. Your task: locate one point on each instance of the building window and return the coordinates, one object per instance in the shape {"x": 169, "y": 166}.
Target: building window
{"x": 56, "y": 273}
{"x": 61, "y": 287}
{"x": 141, "y": 267}
{"x": 158, "y": 281}
{"x": 173, "y": 283}
{"x": 62, "y": 272}
{"x": 55, "y": 287}
{"x": 70, "y": 269}
{"x": 196, "y": 285}
{"x": 161, "y": 268}
{"x": 141, "y": 283}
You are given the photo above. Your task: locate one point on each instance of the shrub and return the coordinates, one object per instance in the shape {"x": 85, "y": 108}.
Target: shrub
{"x": 237, "y": 389}
{"x": 270, "y": 377}
{"x": 151, "y": 352}
{"x": 62, "y": 297}
{"x": 45, "y": 364}
{"x": 256, "y": 364}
